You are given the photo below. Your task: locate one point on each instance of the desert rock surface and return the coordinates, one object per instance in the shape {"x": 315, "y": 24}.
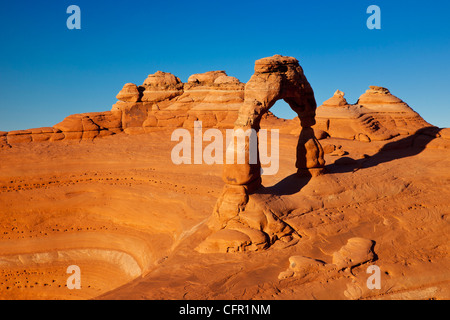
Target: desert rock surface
{"x": 100, "y": 191}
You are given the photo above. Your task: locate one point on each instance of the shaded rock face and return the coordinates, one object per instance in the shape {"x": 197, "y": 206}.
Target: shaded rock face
{"x": 378, "y": 115}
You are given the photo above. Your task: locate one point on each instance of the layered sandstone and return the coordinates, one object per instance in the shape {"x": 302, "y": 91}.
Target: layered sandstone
{"x": 140, "y": 226}
{"x": 393, "y": 113}
{"x": 243, "y": 218}
{"x": 337, "y": 100}
{"x": 164, "y": 101}
{"x": 378, "y": 115}
{"x": 214, "y": 98}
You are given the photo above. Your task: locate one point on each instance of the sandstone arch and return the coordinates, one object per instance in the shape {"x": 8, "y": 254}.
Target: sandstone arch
{"x": 277, "y": 78}
{"x": 244, "y": 219}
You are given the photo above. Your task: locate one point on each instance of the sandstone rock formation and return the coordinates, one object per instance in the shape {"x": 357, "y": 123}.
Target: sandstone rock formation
{"x": 355, "y": 252}
{"x": 164, "y": 101}
{"x": 119, "y": 206}
{"x": 238, "y": 208}
{"x": 222, "y": 101}
{"x": 300, "y": 266}
{"x": 277, "y": 78}
{"x": 140, "y": 227}
{"x": 336, "y": 100}
{"x": 391, "y": 112}
{"x": 129, "y": 93}
{"x": 378, "y": 115}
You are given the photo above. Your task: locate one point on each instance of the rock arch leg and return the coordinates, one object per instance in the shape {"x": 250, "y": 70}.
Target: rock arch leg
{"x": 241, "y": 165}
{"x": 309, "y": 154}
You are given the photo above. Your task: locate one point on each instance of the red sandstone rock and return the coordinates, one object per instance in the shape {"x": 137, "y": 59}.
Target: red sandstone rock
{"x": 445, "y": 133}
{"x": 162, "y": 80}
{"x": 89, "y": 125}
{"x": 336, "y": 100}
{"x": 60, "y": 189}
{"x": 378, "y": 96}
{"x": 390, "y": 111}
{"x": 161, "y": 86}
{"x": 212, "y": 97}
{"x": 18, "y": 136}
{"x": 129, "y": 93}
{"x": 378, "y": 115}
{"x": 226, "y": 79}
{"x": 207, "y": 77}
{"x": 215, "y": 99}
{"x": 355, "y": 252}
{"x": 275, "y": 78}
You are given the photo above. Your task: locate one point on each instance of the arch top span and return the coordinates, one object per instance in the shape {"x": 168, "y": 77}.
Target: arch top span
{"x": 276, "y": 78}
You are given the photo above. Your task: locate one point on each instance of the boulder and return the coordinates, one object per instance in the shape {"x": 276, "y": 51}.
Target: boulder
{"x": 161, "y": 86}
{"x": 445, "y": 133}
{"x": 224, "y": 241}
{"x": 129, "y": 93}
{"x": 207, "y": 77}
{"x": 224, "y": 79}
{"x": 162, "y": 80}
{"x": 355, "y": 252}
{"x": 72, "y": 123}
{"x": 300, "y": 266}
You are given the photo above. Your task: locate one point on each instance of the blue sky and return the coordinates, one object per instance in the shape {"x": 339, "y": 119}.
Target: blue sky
{"x": 48, "y": 72}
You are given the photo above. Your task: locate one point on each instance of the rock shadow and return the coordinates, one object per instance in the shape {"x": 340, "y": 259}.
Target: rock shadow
{"x": 288, "y": 186}
{"x": 407, "y": 147}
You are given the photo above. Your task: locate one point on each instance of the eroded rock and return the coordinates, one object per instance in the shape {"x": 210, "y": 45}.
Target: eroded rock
{"x": 355, "y": 252}
{"x": 377, "y": 115}
{"x": 300, "y": 266}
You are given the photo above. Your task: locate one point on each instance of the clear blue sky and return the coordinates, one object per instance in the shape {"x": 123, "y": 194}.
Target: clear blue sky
{"x": 48, "y": 72}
